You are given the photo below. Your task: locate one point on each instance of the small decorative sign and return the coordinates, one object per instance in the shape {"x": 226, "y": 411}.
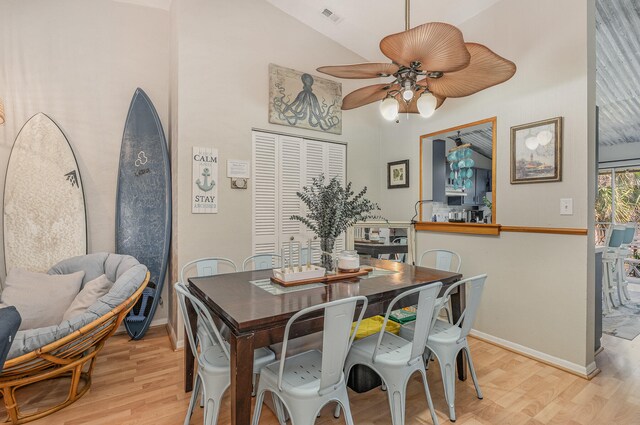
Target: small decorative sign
{"x": 238, "y": 169}
{"x": 205, "y": 181}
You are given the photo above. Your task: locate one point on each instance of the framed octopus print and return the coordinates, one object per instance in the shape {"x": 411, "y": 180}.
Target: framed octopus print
{"x": 298, "y": 99}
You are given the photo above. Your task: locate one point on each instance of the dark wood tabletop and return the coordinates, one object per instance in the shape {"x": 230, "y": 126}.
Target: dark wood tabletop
{"x": 256, "y": 318}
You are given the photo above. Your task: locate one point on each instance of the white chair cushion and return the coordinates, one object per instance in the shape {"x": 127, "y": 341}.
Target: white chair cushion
{"x": 41, "y": 299}
{"x": 88, "y": 295}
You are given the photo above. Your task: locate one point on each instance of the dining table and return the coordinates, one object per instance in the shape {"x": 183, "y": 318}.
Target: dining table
{"x": 256, "y": 311}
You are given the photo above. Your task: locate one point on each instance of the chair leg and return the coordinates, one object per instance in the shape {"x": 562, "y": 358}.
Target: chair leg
{"x": 280, "y": 412}
{"x": 194, "y": 398}
{"x": 434, "y": 417}
{"x": 396, "y": 393}
{"x": 344, "y": 401}
{"x": 448, "y": 371}
{"x": 211, "y": 410}
{"x": 258, "y": 409}
{"x": 473, "y": 372}
{"x": 253, "y": 384}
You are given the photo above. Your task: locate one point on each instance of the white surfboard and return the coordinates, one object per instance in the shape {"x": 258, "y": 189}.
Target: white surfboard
{"x": 44, "y": 211}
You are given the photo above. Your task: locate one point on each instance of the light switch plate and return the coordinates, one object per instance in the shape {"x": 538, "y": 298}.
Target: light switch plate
{"x": 566, "y": 206}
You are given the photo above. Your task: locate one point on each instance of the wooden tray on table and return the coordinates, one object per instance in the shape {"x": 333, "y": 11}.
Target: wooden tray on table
{"x": 324, "y": 279}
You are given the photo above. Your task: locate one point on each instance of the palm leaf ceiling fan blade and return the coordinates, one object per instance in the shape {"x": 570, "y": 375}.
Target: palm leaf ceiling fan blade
{"x": 436, "y": 45}
{"x": 366, "y": 95}
{"x": 486, "y": 69}
{"x": 361, "y": 70}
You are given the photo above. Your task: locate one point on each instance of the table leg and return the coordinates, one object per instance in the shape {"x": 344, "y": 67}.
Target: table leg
{"x": 458, "y": 303}
{"x": 189, "y": 359}
{"x": 241, "y": 378}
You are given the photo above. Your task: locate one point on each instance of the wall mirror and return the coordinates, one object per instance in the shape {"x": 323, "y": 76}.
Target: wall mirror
{"x": 457, "y": 177}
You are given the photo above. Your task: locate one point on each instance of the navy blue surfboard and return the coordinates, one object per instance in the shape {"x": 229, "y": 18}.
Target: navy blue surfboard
{"x": 143, "y": 204}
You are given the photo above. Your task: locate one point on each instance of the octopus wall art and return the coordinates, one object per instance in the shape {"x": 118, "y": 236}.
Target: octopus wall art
{"x": 301, "y": 100}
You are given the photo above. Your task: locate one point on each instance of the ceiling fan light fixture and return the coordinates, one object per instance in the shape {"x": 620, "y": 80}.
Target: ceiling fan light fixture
{"x": 427, "y": 104}
{"x": 389, "y": 108}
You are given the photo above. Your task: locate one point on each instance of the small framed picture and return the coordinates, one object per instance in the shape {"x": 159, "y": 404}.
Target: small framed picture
{"x": 536, "y": 152}
{"x": 398, "y": 174}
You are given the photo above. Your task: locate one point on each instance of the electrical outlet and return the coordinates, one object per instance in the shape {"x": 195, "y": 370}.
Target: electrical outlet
{"x": 566, "y": 206}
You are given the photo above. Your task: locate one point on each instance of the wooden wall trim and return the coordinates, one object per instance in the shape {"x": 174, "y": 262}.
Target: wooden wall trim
{"x": 550, "y": 230}
{"x": 494, "y": 229}
{"x": 467, "y": 228}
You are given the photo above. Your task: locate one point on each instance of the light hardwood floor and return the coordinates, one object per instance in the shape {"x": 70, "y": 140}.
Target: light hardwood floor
{"x": 141, "y": 383}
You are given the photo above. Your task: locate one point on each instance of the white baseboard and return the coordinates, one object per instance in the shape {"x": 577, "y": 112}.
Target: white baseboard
{"x": 584, "y": 372}
{"x": 175, "y": 342}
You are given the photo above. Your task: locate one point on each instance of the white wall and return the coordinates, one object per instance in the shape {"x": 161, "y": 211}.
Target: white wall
{"x": 537, "y": 293}
{"x": 223, "y": 53}
{"x": 80, "y": 62}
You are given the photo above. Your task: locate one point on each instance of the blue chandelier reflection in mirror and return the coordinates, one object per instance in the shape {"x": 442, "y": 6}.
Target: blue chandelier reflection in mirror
{"x": 461, "y": 166}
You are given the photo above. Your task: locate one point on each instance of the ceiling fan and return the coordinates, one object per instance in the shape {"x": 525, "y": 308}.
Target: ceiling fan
{"x": 429, "y": 63}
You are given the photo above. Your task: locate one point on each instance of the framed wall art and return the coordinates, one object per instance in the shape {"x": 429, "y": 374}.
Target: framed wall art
{"x": 303, "y": 100}
{"x": 398, "y": 174}
{"x": 536, "y": 152}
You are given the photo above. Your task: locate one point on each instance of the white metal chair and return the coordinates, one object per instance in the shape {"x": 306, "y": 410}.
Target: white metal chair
{"x": 306, "y": 382}
{"x": 446, "y": 340}
{"x": 442, "y": 259}
{"x": 623, "y": 253}
{"x": 611, "y": 269}
{"x": 261, "y": 262}
{"x": 207, "y": 266}
{"x": 394, "y": 358}
{"x": 213, "y": 373}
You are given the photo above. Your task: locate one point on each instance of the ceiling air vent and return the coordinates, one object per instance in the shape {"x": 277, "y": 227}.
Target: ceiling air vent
{"x": 332, "y": 16}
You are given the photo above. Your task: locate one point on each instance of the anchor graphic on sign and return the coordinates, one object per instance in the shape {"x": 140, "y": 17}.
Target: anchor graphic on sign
{"x": 207, "y": 186}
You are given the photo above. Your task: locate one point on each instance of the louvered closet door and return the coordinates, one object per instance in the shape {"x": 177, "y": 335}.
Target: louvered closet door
{"x": 328, "y": 159}
{"x": 290, "y": 178}
{"x": 281, "y": 166}
{"x": 336, "y": 166}
{"x": 265, "y": 193}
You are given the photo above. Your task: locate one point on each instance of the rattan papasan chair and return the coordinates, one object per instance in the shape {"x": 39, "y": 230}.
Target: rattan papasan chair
{"x": 69, "y": 350}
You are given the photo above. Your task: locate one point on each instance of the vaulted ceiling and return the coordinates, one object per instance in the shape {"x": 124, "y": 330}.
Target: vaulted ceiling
{"x": 360, "y": 24}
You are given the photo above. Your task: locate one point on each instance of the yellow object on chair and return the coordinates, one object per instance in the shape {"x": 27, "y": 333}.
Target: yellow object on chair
{"x": 373, "y": 325}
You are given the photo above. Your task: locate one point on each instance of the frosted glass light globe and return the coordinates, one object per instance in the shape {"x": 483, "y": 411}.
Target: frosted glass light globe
{"x": 407, "y": 94}
{"x": 531, "y": 143}
{"x": 427, "y": 104}
{"x": 389, "y": 108}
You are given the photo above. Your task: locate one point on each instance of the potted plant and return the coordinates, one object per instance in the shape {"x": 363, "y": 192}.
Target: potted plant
{"x": 332, "y": 209}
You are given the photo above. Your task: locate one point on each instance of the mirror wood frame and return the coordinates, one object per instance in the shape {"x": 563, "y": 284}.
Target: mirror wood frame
{"x": 470, "y": 228}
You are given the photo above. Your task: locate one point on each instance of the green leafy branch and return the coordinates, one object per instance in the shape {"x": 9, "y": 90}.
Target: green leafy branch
{"x": 332, "y": 208}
